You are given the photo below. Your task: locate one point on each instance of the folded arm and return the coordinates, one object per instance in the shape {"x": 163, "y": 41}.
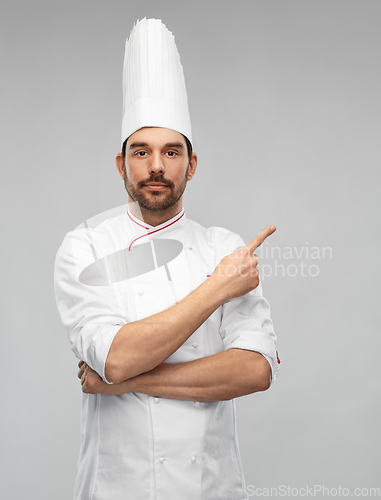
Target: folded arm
{"x": 222, "y": 376}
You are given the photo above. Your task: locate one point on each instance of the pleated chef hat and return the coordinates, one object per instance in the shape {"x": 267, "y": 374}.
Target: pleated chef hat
{"x": 154, "y": 93}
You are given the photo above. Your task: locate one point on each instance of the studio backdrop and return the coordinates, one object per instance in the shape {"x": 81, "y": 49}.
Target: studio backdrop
{"x": 285, "y": 107}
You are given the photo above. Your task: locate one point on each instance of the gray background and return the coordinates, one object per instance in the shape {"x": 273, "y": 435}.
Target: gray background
{"x": 284, "y": 99}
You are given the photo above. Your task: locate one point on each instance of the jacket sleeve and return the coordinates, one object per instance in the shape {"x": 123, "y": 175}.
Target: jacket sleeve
{"x": 246, "y": 321}
{"x": 92, "y": 315}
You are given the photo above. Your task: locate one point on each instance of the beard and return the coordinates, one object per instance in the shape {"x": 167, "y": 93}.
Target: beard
{"x": 155, "y": 201}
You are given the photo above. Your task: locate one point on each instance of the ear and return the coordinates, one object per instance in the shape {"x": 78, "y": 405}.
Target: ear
{"x": 119, "y": 164}
{"x": 192, "y": 167}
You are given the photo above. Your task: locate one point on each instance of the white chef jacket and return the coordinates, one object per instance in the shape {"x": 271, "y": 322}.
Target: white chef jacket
{"x": 139, "y": 447}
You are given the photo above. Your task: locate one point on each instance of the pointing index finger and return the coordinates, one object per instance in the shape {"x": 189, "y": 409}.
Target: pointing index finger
{"x": 260, "y": 238}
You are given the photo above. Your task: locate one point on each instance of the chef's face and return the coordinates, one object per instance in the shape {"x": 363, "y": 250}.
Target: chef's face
{"x": 156, "y": 168}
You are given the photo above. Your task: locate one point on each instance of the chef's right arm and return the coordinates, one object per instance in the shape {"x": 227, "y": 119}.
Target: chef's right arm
{"x": 141, "y": 346}
{"x": 118, "y": 350}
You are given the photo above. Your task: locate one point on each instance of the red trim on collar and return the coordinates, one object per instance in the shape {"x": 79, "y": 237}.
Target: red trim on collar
{"x": 133, "y": 220}
{"x": 154, "y": 231}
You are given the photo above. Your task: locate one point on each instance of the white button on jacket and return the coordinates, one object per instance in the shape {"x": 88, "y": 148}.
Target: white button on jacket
{"x": 133, "y": 448}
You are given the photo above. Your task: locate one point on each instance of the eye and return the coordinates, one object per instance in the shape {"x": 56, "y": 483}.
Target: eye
{"x": 171, "y": 153}
{"x": 141, "y": 154}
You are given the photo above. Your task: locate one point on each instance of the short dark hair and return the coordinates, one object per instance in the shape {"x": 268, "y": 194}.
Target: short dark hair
{"x": 187, "y": 141}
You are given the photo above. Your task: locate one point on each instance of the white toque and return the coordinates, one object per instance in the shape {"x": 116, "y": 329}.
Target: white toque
{"x": 154, "y": 93}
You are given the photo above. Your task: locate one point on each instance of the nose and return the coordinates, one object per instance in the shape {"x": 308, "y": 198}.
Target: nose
{"x": 156, "y": 164}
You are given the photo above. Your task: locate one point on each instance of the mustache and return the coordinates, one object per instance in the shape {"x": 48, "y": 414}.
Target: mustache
{"x": 156, "y": 178}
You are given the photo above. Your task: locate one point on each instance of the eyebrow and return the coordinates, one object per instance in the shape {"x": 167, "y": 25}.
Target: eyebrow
{"x": 168, "y": 145}
{"x": 138, "y": 145}
{"x": 179, "y": 145}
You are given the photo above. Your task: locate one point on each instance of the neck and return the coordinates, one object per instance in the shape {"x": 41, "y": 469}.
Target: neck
{"x": 155, "y": 218}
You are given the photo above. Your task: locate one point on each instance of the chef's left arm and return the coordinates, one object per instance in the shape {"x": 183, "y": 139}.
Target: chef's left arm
{"x": 222, "y": 376}
{"x": 247, "y": 364}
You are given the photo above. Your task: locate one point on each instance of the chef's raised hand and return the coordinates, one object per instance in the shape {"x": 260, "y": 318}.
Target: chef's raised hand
{"x": 237, "y": 273}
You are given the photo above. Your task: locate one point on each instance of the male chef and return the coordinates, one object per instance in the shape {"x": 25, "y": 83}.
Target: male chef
{"x": 166, "y": 317}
